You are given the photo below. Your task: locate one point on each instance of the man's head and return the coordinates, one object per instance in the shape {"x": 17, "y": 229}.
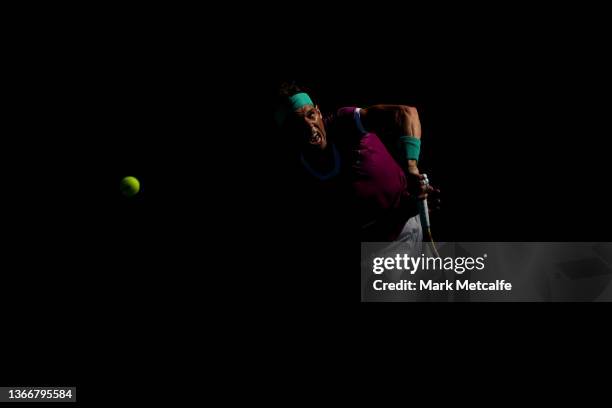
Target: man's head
{"x": 300, "y": 117}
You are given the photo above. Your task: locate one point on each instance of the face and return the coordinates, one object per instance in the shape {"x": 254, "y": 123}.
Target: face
{"x": 307, "y": 123}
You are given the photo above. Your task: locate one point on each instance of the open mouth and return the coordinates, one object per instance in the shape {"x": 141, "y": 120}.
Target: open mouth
{"x": 315, "y": 137}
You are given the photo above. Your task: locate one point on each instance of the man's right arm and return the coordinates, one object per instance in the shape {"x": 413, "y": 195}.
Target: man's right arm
{"x": 391, "y": 122}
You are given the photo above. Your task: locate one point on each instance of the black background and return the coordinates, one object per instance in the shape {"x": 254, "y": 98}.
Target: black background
{"x": 515, "y": 138}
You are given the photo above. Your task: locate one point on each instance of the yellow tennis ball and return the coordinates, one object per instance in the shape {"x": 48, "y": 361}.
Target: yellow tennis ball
{"x": 130, "y": 186}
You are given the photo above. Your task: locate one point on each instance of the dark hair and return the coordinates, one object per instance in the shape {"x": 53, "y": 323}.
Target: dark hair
{"x": 288, "y": 89}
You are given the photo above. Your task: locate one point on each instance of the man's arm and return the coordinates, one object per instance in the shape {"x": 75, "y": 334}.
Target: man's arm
{"x": 391, "y": 122}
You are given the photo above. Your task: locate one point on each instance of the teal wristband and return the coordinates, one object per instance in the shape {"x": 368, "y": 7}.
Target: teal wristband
{"x": 410, "y": 147}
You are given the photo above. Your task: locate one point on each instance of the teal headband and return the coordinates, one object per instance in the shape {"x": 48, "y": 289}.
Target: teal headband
{"x": 300, "y": 100}
{"x": 296, "y": 102}
{"x": 410, "y": 147}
